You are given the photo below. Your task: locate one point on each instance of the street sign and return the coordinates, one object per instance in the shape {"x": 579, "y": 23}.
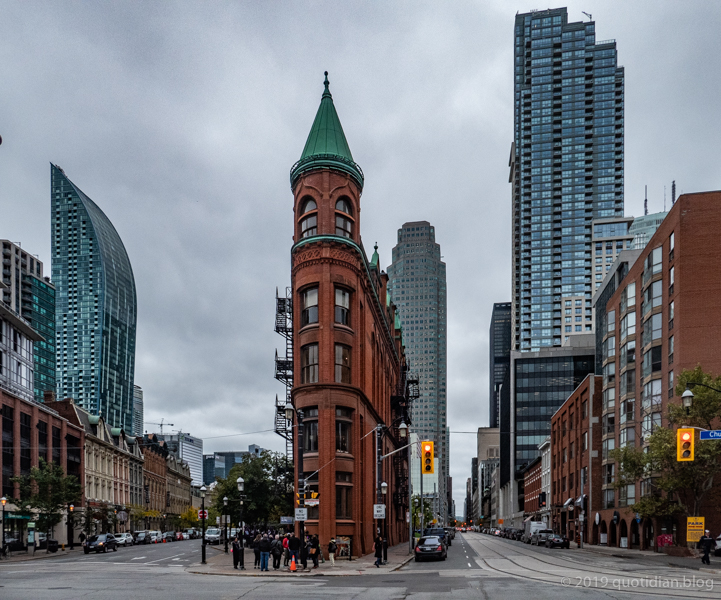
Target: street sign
{"x": 301, "y": 514}
{"x": 714, "y": 434}
{"x": 379, "y": 511}
{"x": 312, "y": 501}
{"x": 217, "y": 520}
{"x": 122, "y": 516}
{"x": 638, "y": 518}
{"x": 286, "y": 520}
{"x": 500, "y": 521}
{"x": 694, "y": 528}
{"x": 202, "y": 514}
{"x": 581, "y": 517}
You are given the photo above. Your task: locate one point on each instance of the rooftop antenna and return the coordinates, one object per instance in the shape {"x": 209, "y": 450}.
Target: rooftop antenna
{"x": 590, "y": 17}
{"x": 645, "y": 203}
{"x": 673, "y": 192}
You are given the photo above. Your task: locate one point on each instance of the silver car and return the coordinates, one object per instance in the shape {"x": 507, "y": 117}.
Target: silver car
{"x": 212, "y": 536}
{"x": 124, "y": 539}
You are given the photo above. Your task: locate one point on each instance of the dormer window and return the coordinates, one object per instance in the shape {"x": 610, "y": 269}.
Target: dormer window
{"x": 343, "y": 222}
{"x": 309, "y": 223}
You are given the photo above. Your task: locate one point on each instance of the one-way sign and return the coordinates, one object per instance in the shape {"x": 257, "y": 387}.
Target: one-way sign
{"x": 714, "y": 434}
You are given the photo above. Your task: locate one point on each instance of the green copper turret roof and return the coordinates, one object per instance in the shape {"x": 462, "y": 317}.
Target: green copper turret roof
{"x": 326, "y": 146}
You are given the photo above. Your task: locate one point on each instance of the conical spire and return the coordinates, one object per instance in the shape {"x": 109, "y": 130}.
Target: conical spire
{"x": 326, "y": 146}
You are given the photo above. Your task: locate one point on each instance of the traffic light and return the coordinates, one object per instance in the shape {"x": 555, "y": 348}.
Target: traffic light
{"x": 684, "y": 444}
{"x": 428, "y": 458}
{"x": 542, "y": 500}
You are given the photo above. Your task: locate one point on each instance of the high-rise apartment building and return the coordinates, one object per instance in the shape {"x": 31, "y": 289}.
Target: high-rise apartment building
{"x": 95, "y": 308}
{"x": 566, "y": 167}
{"x": 643, "y": 228}
{"x": 32, "y": 296}
{"x": 500, "y": 360}
{"x": 418, "y": 287}
{"x": 138, "y": 410}
{"x": 188, "y": 449}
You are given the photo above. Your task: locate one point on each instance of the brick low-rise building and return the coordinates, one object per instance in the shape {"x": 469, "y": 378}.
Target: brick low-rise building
{"x": 155, "y": 482}
{"x": 658, "y": 313}
{"x": 576, "y": 462}
{"x": 532, "y": 490}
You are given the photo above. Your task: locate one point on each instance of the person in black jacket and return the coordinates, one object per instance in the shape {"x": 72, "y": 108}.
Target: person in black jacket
{"x": 332, "y": 547}
{"x": 236, "y": 552}
{"x": 706, "y": 543}
{"x": 255, "y": 544}
{"x": 304, "y": 547}
{"x": 379, "y": 551}
{"x": 264, "y": 546}
{"x": 314, "y": 550}
{"x": 294, "y": 547}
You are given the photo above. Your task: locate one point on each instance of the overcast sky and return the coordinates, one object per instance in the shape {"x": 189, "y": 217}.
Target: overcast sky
{"x": 182, "y": 120}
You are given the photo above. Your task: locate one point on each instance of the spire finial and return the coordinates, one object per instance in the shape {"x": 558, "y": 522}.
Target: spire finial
{"x": 375, "y": 247}
{"x": 326, "y": 83}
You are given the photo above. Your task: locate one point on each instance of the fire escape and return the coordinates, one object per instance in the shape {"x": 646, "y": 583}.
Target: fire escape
{"x": 284, "y": 366}
{"x": 406, "y": 392}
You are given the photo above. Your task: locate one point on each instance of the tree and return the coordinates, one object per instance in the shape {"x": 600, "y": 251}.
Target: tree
{"x": 189, "y": 518}
{"x": 676, "y": 487}
{"x": 47, "y": 492}
{"x": 427, "y": 512}
{"x": 268, "y": 490}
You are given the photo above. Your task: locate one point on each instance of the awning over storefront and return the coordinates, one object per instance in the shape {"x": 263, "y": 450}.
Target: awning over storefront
{"x": 528, "y": 519}
{"x": 568, "y": 503}
{"x": 580, "y": 500}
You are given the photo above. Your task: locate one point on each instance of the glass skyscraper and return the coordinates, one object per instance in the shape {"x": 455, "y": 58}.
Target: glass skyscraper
{"x": 418, "y": 288}
{"x": 32, "y": 296}
{"x": 500, "y": 361}
{"x": 95, "y": 307}
{"x": 566, "y": 169}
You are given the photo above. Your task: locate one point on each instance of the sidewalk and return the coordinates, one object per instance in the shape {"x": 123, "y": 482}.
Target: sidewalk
{"x": 657, "y": 558}
{"x": 220, "y": 563}
{"x": 22, "y": 556}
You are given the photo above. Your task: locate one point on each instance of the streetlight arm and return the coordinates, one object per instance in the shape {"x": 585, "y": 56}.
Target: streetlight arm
{"x": 384, "y": 456}
{"x": 703, "y": 385}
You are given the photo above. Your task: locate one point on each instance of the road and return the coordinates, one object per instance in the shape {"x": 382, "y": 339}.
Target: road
{"x": 478, "y": 566}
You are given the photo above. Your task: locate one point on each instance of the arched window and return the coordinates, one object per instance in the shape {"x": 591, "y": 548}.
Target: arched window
{"x": 308, "y": 205}
{"x": 309, "y": 224}
{"x": 343, "y": 225}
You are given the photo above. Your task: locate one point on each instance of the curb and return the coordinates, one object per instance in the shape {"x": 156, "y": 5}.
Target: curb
{"x": 37, "y": 557}
{"x": 403, "y": 564}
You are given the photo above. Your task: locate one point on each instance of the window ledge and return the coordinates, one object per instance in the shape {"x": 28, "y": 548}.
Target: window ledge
{"x": 345, "y": 328}
{"x": 309, "y": 327}
{"x": 340, "y": 454}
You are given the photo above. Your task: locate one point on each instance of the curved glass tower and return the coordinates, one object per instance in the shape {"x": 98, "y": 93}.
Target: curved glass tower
{"x": 95, "y": 308}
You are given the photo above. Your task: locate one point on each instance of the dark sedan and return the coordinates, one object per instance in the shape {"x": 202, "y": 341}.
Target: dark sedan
{"x": 430, "y": 547}
{"x": 556, "y": 541}
{"x": 100, "y": 543}
{"x": 142, "y": 537}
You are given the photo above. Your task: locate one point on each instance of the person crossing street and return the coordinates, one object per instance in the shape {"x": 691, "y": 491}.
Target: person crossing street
{"x": 706, "y": 543}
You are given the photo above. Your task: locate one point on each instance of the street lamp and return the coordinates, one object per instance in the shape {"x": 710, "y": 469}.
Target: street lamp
{"x": 289, "y": 412}
{"x": 241, "y": 487}
{"x": 202, "y": 512}
{"x": 225, "y": 507}
{"x": 403, "y": 430}
{"x": 384, "y": 491}
{"x": 687, "y": 398}
{"x": 2, "y": 547}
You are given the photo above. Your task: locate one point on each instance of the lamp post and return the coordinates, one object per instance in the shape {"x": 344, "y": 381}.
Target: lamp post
{"x": 687, "y": 399}
{"x": 289, "y": 412}
{"x": 225, "y": 521}
{"x": 241, "y": 487}
{"x": 384, "y": 491}
{"x": 202, "y": 512}
{"x": 381, "y": 491}
{"x": 2, "y": 547}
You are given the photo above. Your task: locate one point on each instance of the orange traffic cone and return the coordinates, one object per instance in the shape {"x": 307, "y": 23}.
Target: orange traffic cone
{"x": 292, "y": 564}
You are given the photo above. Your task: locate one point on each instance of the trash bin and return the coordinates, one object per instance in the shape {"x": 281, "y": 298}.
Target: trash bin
{"x": 52, "y": 545}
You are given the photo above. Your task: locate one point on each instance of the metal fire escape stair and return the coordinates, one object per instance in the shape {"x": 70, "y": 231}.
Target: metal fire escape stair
{"x": 284, "y": 366}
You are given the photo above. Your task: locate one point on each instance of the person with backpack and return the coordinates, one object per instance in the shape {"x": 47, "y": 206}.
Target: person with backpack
{"x": 276, "y": 551}
{"x": 332, "y": 547}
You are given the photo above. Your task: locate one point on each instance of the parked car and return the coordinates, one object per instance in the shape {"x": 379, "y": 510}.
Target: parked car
{"x": 212, "y": 536}
{"x": 439, "y": 532}
{"x": 539, "y": 537}
{"x": 179, "y": 536}
{"x": 100, "y": 543}
{"x": 556, "y": 541}
{"x": 124, "y": 539}
{"x": 142, "y": 537}
{"x": 168, "y": 536}
{"x": 155, "y": 537}
{"x": 430, "y": 547}
{"x": 190, "y": 534}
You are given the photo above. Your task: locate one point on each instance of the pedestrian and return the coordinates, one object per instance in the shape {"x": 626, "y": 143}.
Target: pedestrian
{"x": 332, "y": 547}
{"x": 294, "y": 547}
{"x": 706, "y": 543}
{"x": 378, "y": 545}
{"x": 256, "y": 550}
{"x": 82, "y": 537}
{"x": 304, "y": 547}
{"x": 264, "y": 546}
{"x": 276, "y": 549}
{"x": 314, "y": 550}
{"x": 236, "y": 552}
{"x": 286, "y": 550}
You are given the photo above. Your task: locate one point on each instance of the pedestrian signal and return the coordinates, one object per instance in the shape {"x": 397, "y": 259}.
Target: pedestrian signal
{"x": 684, "y": 445}
{"x": 428, "y": 455}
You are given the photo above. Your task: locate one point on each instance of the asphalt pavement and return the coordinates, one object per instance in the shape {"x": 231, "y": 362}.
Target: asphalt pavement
{"x": 478, "y": 566}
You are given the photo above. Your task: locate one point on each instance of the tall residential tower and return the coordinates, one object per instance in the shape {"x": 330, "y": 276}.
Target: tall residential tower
{"x": 566, "y": 167}
{"x": 95, "y": 308}
{"x": 418, "y": 287}
{"x": 500, "y": 359}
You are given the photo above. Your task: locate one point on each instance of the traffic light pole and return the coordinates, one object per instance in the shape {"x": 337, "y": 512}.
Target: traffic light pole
{"x": 301, "y": 475}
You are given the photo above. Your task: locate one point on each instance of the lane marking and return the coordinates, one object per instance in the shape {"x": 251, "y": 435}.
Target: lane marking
{"x": 469, "y": 564}
{"x": 165, "y": 558}
{"x": 139, "y": 558}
